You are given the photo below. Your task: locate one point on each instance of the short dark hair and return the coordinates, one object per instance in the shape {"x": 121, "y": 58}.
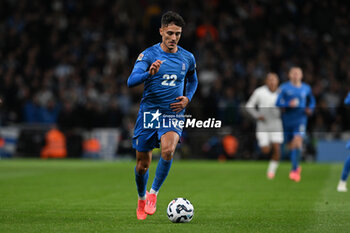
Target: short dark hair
{"x": 172, "y": 17}
{"x": 295, "y": 67}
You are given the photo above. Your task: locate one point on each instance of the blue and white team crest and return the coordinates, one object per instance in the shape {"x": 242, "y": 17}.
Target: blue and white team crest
{"x": 183, "y": 68}
{"x": 151, "y": 120}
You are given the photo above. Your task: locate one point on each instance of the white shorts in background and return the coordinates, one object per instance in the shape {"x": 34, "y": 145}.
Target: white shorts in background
{"x": 266, "y": 138}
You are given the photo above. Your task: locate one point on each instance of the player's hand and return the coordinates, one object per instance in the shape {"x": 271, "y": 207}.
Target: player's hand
{"x": 261, "y": 118}
{"x": 179, "y": 106}
{"x": 155, "y": 67}
{"x": 294, "y": 103}
{"x": 308, "y": 111}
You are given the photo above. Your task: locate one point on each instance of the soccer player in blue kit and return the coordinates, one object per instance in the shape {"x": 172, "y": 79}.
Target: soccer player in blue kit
{"x": 297, "y": 101}
{"x": 163, "y": 69}
{"x": 346, "y": 169}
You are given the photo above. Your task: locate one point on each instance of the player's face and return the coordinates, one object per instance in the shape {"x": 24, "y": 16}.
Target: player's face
{"x": 170, "y": 37}
{"x": 295, "y": 75}
{"x": 272, "y": 82}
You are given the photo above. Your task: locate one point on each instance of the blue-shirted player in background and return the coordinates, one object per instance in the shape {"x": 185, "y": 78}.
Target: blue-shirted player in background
{"x": 297, "y": 102}
{"x": 346, "y": 169}
{"x": 163, "y": 69}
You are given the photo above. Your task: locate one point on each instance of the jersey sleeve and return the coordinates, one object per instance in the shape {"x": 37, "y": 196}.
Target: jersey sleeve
{"x": 192, "y": 66}
{"x": 192, "y": 80}
{"x": 140, "y": 71}
{"x": 281, "y": 101}
{"x": 144, "y": 61}
{"x": 251, "y": 104}
{"x": 311, "y": 99}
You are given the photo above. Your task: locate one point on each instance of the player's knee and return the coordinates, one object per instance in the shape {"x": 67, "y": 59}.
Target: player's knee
{"x": 142, "y": 166}
{"x": 167, "y": 153}
{"x": 297, "y": 143}
{"x": 265, "y": 150}
{"x": 276, "y": 152}
{"x": 275, "y": 156}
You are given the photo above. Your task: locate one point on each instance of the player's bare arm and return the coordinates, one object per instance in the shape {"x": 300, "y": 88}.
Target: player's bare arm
{"x": 155, "y": 67}
{"x": 261, "y": 118}
{"x": 293, "y": 103}
{"x": 308, "y": 111}
{"x": 180, "y": 105}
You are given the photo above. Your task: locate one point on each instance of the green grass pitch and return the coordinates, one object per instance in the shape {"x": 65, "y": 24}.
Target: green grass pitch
{"x": 94, "y": 196}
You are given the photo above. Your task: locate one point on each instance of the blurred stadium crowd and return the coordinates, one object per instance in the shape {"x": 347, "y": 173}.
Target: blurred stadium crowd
{"x": 67, "y": 61}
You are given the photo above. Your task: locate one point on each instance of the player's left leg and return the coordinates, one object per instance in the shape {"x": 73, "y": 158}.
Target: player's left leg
{"x": 265, "y": 150}
{"x": 344, "y": 176}
{"x": 169, "y": 141}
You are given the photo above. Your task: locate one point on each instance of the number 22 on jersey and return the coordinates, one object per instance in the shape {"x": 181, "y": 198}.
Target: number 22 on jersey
{"x": 169, "y": 80}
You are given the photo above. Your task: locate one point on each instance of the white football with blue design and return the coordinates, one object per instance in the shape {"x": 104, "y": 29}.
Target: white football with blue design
{"x": 180, "y": 210}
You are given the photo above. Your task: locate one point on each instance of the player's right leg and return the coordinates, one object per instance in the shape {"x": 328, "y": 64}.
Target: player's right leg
{"x": 144, "y": 141}
{"x": 274, "y": 162}
{"x": 295, "y": 151}
{"x": 276, "y": 140}
{"x": 264, "y": 144}
{"x": 346, "y": 169}
{"x": 143, "y": 160}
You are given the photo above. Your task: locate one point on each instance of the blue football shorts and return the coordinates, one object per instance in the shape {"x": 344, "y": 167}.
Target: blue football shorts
{"x": 146, "y": 139}
{"x": 291, "y": 130}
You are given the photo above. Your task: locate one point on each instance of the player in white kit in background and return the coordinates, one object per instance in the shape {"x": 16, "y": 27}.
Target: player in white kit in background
{"x": 269, "y": 130}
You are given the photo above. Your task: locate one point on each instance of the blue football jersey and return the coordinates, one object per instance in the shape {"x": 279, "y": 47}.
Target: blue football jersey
{"x": 304, "y": 98}
{"x": 161, "y": 89}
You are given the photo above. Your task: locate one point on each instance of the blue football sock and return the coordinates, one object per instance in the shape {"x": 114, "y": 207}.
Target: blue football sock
{"x": 141, "y": 182}
{"x": 162, "y": 171}
{"x": 346, "y": 169}
{"x": 294, "y": 158}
